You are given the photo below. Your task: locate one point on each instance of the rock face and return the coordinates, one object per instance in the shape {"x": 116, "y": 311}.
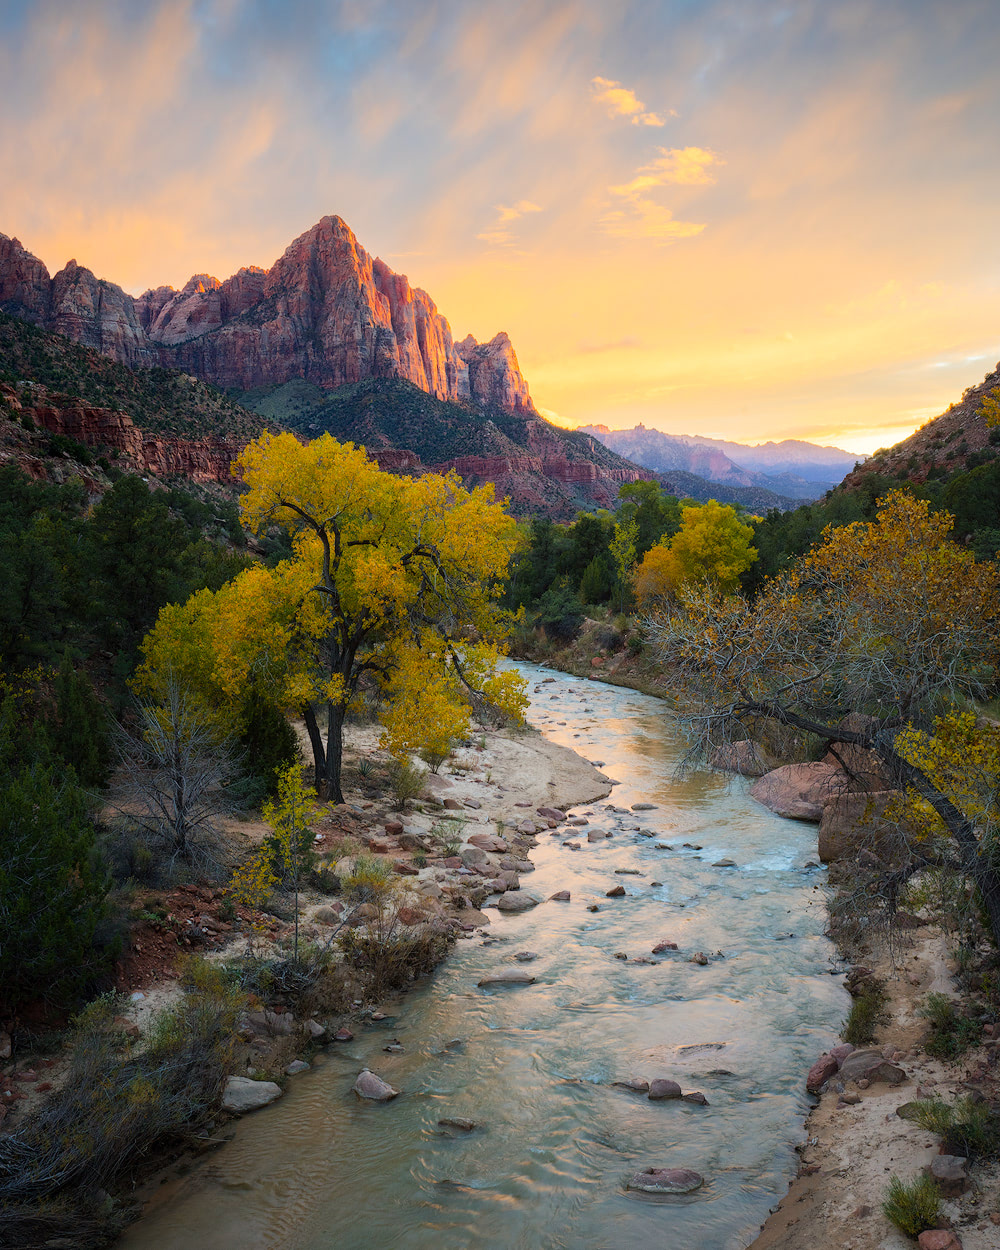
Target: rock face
{"x": 853, "y": 822}
{"x": 326, "y": 312}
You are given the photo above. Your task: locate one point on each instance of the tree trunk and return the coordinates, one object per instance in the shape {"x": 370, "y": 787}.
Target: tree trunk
{"x": 316, "y": 742}
{"x": 336, "y": 712}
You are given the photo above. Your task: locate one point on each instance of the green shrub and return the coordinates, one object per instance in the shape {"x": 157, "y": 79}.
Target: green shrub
{"x": 952, "y": 1032}
{"x": 560, "y": 613}
{"x": 370, "y": 880}
{"x": 970, "y": 1129}
{"x": 407, "y": 782}
{"x": 867, "y": 1013}
{"x": 912, "y": 1207}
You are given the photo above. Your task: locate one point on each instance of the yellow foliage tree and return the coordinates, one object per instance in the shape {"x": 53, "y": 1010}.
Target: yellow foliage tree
{"x": 889, "y": 619}
{"x": 712, "y": 547}
{"x": 384, "y": 570}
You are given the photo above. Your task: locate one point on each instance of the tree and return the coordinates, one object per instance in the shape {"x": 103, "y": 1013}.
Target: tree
{"x": 657, "y": 514}
{"x": 887, "y": 618}
{"x": 623, "y": 554}
{"x": 382, "y": 568}
{"x": 53, "y": 891}
{"x": 712, "y": 547}
{"x": 173, "y": 770}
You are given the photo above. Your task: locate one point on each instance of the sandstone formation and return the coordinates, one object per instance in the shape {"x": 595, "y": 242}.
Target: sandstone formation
{"x": 326, "y": 312}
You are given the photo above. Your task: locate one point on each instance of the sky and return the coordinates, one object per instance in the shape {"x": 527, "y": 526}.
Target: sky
{"x": 740, "y": 218}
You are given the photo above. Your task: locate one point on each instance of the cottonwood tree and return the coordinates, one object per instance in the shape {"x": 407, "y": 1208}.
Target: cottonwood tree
{"x": 712, "y": 548}
{"x": 889, "y": 619}
{"x": 385, "y": 571}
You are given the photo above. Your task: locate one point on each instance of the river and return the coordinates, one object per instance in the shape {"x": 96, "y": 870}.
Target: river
{"x": 534, "y": 1066}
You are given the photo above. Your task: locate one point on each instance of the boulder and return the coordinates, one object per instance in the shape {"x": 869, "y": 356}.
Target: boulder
{"x": 666, "y": 1181}
{"x": 636, "y": 1084}
{"x": 560, "y": 896}
{"x": 617, "y": 891}
{"x": 821, "y": 1071}
{"x": 697, "y": 1097}
{"x": 489, "y": 842}
{"x": 471, "y": 856}
{"x": 243, "y": 1094}
{"x": 372, "y": 1087}
{"x": 800, "y": 791}
{"x": 517, "y": 902}
{"x": 869, "y": 1065}
{"x": 743, "y": 757}
{"x": 662, "y": 1088}
{"x": 660, "y": 947}
{"x": 853, "y": 822}
{"x": 507, "y": 976}
{"x": 297, "y": 1066}
{"x": 551, "y": 813}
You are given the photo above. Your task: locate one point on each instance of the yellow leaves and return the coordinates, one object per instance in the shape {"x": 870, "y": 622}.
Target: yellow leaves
{"x": 657, "y": 576}
{"x": 961, "y": 758}
{"x": 712, "y": 547}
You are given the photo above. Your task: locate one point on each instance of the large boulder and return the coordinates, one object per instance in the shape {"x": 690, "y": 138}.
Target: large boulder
{"x": 800, "y": 791}
{"x": 821, "y": 1071}
{"x": 243, "y": 1094}
{"x": 871, "y": 1065}
{"x": 517, "y": 902}
{"x": 854, "y": 822}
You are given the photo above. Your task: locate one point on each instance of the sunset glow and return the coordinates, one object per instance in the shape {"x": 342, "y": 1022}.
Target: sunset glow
{"x": 749, "y": 221}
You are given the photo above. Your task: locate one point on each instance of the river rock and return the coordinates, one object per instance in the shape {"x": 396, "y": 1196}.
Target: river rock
{"x": 526, "y": 957}
{"x": 489, "y": 842}
{"x": 662, "y": 1088}
{"x": 644, "y": 807}
{"x": 243, "y": 1094}
{"x": 458, "y": 1121}
{"x": 372, "y": 1087}
{"x": 724, "y": 863}
{"x": 660, "y": 947}
{"x": 821, "y": 1071}
{"x": 666, "y": 1181}
{"x": 593, "y": 907}
{"x": 800, "y": 791}
{"x": 560, "y": 896}
{"x": 617, "y": 891}
{"x": 696, "y": 1096}
{"x": 507, "y": 976}
{"x": 522, "y": 900}
{"x": 297, "y": 1066}
{"x": 841, "y": 1051}
{"x": 343, "y": 1035}
{"x": 472, "y": 856}
{"x": 869, "y": 1065}
{"x": 636, "y": 1084}
{"x": 551, "y": 813}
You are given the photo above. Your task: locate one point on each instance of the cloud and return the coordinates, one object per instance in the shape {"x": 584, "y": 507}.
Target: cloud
{"x": 506, "y": 213}
{"x": 622, "y": 102}
{"x": 687, "y": 167}
{"x": 642, "y": 217}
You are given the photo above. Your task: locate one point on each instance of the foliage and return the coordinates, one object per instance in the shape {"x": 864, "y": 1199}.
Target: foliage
{"x": 53, "y": 889}
{"x": 407, "y": 782}
{"x": 370, "y": 879}
{"x": 623, "y": 553}
{"x": 912, "y": 1206}
{"x": 560, "y": 613}
{"x": 952, "y": 1031}
{"x": 380, "y": 566}
{"x": 886, "y": 616}
{"x": 290, "y": 842}
{"x": 268, "y": 742}
{"x": 967, "y": 1128}
{"x": 867, "y": 1014}
{"x": 79, "y": 730}
{"x": 111, "y": 1112}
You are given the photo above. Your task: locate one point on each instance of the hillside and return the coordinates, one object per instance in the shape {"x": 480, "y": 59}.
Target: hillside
{"x": 539, "y": 467}
{"x": 755, "y": 499}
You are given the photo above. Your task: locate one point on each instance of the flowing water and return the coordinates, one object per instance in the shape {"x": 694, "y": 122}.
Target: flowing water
{"x": 534, "y": 1066}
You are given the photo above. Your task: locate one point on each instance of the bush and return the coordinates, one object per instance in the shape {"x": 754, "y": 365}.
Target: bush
{"x": 969, "y": 1129}
{"x": 952, "y": 1033}
{"x": 370, "y": 880}
{"x": 269, "y": 741}
{"x": 912, "y": 1207}
{"x": 866, "y": 1014}
{"x": 560, "y": 613}
{"x": 407, "y": 782}
{"x": 92, "y": 1130}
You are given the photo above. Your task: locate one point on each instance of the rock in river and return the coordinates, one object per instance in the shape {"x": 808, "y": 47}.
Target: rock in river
{"x": 372, "y": 1087}
{"x": 662, "y": 1088}
{"x": 509, "y": 976}
{"x": 521, "y": 901}
{"x": 243, "y": 1094}
{"x": 666, "y": 1181}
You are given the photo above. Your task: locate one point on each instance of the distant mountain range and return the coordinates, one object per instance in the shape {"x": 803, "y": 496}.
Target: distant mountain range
{"x": 792, "y": 468}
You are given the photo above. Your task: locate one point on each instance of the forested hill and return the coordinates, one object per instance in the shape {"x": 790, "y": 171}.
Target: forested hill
{"x": 160, "y": 401}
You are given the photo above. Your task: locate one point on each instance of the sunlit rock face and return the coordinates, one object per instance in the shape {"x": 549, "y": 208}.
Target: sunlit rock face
{"x": 326, "y": 311}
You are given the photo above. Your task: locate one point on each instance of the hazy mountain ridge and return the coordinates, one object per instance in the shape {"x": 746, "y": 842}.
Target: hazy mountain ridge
{"x": 792, "y": 468}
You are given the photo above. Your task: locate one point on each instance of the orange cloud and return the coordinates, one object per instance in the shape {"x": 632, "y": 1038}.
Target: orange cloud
{"x": 621, "y": 102}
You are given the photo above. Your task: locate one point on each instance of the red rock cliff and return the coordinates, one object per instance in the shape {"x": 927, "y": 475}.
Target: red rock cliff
{"x": 326, "y": 311}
